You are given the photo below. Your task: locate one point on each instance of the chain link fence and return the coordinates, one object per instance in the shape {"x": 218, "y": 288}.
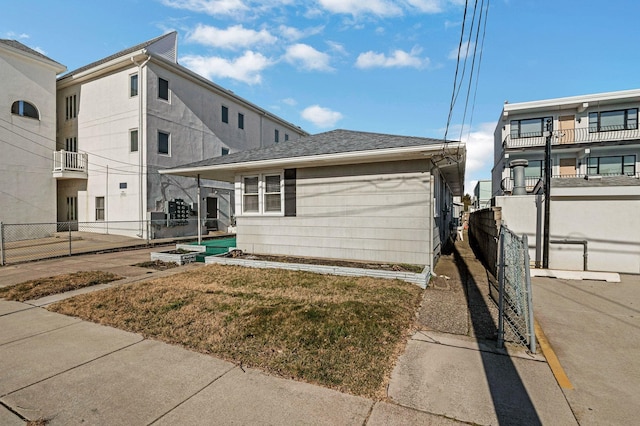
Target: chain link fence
{"x": 513, "y": 290}
{"x": 35, "y": 241}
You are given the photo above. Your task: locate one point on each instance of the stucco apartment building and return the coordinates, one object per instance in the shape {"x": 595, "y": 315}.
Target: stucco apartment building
{"x": 595, "y": 185}
{"x": 27, "y": 133}
{"x": 126, "y": 116}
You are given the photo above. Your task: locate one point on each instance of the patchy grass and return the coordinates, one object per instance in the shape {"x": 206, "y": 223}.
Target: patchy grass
{"x": 159, "y": 265}
{"x": 42, "y": 287}
{"x": 340, "y": 332}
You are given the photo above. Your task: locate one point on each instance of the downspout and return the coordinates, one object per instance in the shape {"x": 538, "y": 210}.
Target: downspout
{"x": 141, "y": 217}
{"x": 430, "y": 227}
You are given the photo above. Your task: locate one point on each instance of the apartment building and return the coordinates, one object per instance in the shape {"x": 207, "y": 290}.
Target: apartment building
{"x": 124, "y": 117}
{"x": 27, "y": 133}
{"x": 595, "y": 182}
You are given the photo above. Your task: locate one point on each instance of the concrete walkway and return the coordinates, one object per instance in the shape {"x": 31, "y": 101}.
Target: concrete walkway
{"x": 70, "y": 371}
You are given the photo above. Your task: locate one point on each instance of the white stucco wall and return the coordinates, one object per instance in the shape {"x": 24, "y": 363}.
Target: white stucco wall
{"x": 605, "y": 217}
{"x": 26, "y": 162}
{"x": 192, "y": 117}
{"x": 372, "y": 212}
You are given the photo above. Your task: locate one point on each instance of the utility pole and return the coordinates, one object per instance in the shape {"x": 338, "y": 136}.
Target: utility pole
{"x": 547, "y": 192}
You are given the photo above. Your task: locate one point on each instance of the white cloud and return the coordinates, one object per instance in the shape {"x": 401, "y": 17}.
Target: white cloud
{"x": 426, "y": 6}
{"x": 290, "y": 101}
{"x": 465, "y": 50}
{"x": 234, "y": 37}
{"x": 293, "y": 34}
{"x": 210, "y": 7}
{"x": 479, "y": 154}
{"x": 246, "y": 68}
{"x": 360, "y": 7}
{"x": 308, "y": 58}
{"x": 398, "y": 59}
{"x": 12, "y": 35}
{"x": 321, "y": 117}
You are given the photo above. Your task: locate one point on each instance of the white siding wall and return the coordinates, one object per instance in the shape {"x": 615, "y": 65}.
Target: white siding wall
{"x": 372, "y": 212}
{"x": 28, "y": 192}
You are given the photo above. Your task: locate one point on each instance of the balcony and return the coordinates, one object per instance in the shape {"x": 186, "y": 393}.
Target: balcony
{"x": 69, "y": 165}
{"x": 571, "y": 136}
{"x": 573, "y": 181}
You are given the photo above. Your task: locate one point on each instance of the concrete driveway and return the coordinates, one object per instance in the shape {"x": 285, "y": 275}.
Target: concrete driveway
{"x": 594, "y": 328}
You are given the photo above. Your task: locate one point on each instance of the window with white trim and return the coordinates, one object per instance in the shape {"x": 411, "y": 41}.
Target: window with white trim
{"x": 25, "y": 109}
{"x": 530, "y": 127}
{"x": 263, "y": 194}
{"x": 163, "y": 89}
{"x": 133, "y": 85}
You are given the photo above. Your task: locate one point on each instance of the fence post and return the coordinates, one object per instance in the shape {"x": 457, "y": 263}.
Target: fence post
{"x": 1, "y": 244}
{"x": 501, "y": 271}
{"x": 148, "y": 223}
{"x": 69, "y": 226}
{"x": 527, "y": 277}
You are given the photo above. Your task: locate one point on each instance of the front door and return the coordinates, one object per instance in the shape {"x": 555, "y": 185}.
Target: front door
{"x": 567, "y": 128}
{"x": 212, "y": 214}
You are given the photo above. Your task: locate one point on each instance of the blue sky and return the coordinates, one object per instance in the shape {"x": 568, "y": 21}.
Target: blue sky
{"x": 383, "y": 66}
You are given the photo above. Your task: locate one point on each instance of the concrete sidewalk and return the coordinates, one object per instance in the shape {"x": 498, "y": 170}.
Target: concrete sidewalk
{"x": 71, "y": 371}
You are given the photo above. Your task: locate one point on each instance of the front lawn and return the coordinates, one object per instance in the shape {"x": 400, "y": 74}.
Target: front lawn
{"x": 35, "y": 289}
{"x": 340, "y": 332}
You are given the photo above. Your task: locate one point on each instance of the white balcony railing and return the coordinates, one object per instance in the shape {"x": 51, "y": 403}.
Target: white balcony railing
{"x": 67, "y": 161}
{"x": 571, "y": 136}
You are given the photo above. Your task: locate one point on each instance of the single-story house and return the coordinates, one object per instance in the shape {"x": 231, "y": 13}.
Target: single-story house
{"x": 343, "y": 195}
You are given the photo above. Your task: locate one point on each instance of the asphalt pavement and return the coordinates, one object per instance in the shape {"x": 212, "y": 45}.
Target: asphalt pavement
{"x": 70, "y": 371}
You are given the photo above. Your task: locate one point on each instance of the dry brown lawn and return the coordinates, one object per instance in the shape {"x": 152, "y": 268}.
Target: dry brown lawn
{"x": 42, "y": 287}
{"x": 341, "y": 332}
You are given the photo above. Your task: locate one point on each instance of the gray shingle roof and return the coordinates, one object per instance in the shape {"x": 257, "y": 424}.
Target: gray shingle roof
{"x": 604, "y": 181}
{"x": 19, "y": 46}
{"x": 116, "y": 55}
{"x": 332, "y": 142}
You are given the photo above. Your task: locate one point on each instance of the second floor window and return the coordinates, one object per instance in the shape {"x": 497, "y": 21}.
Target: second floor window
{"x": 133, "y": 85}
{"x": 240, "y": 120}
{"x": 607, "y": 121}
{"x": 529, "y": 128}
{"x": 164, "y": 143}
{"x": 163, "y": 89}
{"x": 225, "y": 114}
{"x": 276, "y": 136}
{"x": 614, "y": 165}
{"x": 133, "y": 140}
{"x": 71, "y": 107}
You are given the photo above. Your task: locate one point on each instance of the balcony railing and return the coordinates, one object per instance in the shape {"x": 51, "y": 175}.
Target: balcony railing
{"x": 67, "y": 164}
{"x": 571, "y": 136}
{"x": 532, "y": 182}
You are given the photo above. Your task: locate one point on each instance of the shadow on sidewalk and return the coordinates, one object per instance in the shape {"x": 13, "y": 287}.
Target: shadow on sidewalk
{"x": 511, "y": 401}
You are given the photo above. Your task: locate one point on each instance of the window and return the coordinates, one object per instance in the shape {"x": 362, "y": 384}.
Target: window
{"x": 71, "y": 144}
{"x": 123, "y": 185}
{"x": 163, "y": 89}
{"x": 133, "y": 85}
{"x": 25, "y": 109}
{"x": 262, "y": 194}
{"x": 225, "y": 114}
{"x": 530, "y": 128}
{"x": 225, "y": 151}
{"x": 250, "y": 195}
{"x": 607, "y": 121}
{"x": 72, "y": 208}
{"x": 272, "y": 198}
{"x": 240, "y": 120}
{"x": 71, "y": 107}
{"x": 535, "y": 169}
{"x": 133, "y": 140}
{"x": 99, "y": 208}
{"x": 163, "y": 143}
{"x": 614, "y": 165}
{"x": 277, "y": 136}
{"x": 286, "y": 137}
